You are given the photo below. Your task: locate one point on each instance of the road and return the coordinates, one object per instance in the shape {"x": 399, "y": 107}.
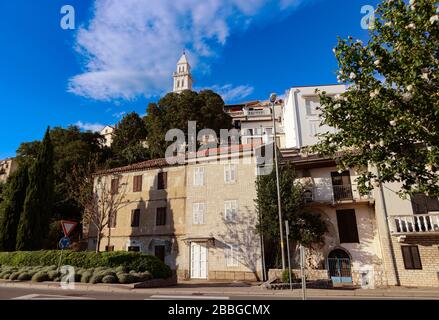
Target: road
{"x": 60, "y": 294}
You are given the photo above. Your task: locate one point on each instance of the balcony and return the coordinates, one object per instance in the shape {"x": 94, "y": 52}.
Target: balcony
{"x": 414, "y": 224}
{"x": 257, "y": 113}
{"x": 327, "y": 193}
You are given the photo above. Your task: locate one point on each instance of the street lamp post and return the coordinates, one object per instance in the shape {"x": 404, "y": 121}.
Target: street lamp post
{"x": 273, "y": 98}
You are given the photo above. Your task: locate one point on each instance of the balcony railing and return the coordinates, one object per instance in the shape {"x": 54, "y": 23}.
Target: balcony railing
{"x": 419, "y": 223}
{"x": 332, "y": 194}
{"x": 257, "y": 113}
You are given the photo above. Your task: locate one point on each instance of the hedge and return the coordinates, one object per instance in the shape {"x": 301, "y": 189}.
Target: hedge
{"x": 139, "y": 262}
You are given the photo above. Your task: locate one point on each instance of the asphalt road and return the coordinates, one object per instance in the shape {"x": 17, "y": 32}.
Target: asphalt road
{"x": 59, "y": 294}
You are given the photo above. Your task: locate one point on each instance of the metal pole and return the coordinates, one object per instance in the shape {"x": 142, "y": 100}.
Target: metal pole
{"x": 302, "y": 271}
{"x": 287, "y": 235}
{"x": 278, "y": 189}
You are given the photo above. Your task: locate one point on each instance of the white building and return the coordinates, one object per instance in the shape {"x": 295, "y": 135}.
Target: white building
{"x": 182, "y": 77}
{"x": 301, "y": 115}
{"x": 7, "y": 167}
{"x": 107, "y": 132}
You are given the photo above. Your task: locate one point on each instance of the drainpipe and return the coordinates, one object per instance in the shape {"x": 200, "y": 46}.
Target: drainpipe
{"x": 389, "y": 235}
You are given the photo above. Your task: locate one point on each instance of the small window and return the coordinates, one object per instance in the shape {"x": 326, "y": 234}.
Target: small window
{"x": 134, "y": 248}
{"x": 137, "y": 184}
{"x": 135, "y": 218}
{"x": 347, "y": 226}
{"x": 109, "y": 248}
{"x": 160, "y": 217}
{"x": 199, "y": 177}
{"x": 162, "y": 180}
{"x": 198, "y": 213}
{"x": 423, "y": 204}
{"x": 232, "y": 255}
{"x": 159, "y": 252}
{"x": 229, "y": 173}
{"x": 230, "y": 210}
{"x": 412, "y": 260}
{"x": 115, "y": 186}
{"x": 112, "y": 218}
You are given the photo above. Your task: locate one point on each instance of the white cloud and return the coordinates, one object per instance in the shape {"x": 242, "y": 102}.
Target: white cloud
{"x": 95, "y": 127}
{"x": 130, "y": 47}
{"x": 229, "y": 93}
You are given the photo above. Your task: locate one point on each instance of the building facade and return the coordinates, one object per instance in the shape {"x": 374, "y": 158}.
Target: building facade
{"x": 182, "y": 76}
{"x": 7, "y": 167}
{"x": 107, "y": 134}
{"x": 198, "y": 217}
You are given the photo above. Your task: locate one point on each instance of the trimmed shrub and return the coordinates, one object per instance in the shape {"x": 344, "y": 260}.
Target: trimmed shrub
{"x": 53, "y": 274}
{"x": 25, "y": 276}
{"x": 286, "y": 276}
{"x": 5, "y": 275}
{"x": 96, "y": 278}
{"x": 110, "y": 279}
{"x": 86, "y": 276}
{"x": 14, "y": 275}
{"x": 126, "y": 278}
{"x": 123, "y": 261}
{"x": 40, "y": 276}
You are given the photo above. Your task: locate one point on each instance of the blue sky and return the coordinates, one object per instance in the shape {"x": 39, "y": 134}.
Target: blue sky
{"x": 122, "y": 53}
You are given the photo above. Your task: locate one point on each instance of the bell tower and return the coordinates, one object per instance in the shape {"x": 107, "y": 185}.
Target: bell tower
{"x": 182, "y": 77}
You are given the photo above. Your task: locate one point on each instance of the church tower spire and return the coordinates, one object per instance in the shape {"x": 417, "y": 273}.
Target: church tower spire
{"x": 182, "y": 77}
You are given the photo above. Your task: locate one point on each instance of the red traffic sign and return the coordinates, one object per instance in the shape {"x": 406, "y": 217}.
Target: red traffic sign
{"x": 68, "y": 226}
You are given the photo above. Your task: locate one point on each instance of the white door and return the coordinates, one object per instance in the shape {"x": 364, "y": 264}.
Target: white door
{"x": 198, "y": 261}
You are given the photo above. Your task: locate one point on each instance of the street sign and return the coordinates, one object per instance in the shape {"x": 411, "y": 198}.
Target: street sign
{"x": 68, "y": 226}
{"x": 64, "y": 243}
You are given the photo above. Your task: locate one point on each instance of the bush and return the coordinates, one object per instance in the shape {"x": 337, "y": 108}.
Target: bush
{"x": 53, "y": 274}
{"x": 286, "y": 277}
{"x": 40, "y": 276}
{"x": 14, "y": 275}
{"x": 123, "y": 261}
{"x": 126, "y": 278}
{"x": 96, "y": 278}
{"x": 25, "y": 276}
{"x": 110, "y": 279}
{"x": 5, "y": 275}
{"x": 86, "y": 276}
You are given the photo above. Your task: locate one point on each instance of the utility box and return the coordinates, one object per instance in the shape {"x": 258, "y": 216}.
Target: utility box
{"x": 367, "y": 277}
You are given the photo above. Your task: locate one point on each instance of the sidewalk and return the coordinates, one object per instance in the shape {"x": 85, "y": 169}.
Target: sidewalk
{"x": 235, "y": 289}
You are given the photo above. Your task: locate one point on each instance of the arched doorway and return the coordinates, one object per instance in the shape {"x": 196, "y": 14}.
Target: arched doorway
{"x": 339, "y": 266}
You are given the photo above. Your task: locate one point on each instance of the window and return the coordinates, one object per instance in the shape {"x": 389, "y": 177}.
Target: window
{"x": 160, "y": 217}
{"x": 134, "y": 248}
{"x": 137, "y": 184}
{"x": 198, "y": 213}
{"x": 162, "y": 180}
{"x": 230, "y": 210}
{"x": 159, "y": 252}
{"x": 112, "y": 218}
{"x": 314, "y": 128}
{"x": 109, "y": 248}
{"x": 199, "y": 177}
{"x": 232, "y": 255}
{"x": 347, "y": 226}
{"x": 135, "y": 218}
{"x": 115, "y": 186}
{"x": 422, "y": 204}
{"x": 412, "y": 260}
{"x": 229, "y": 173}
{"x": 312, "y": 105}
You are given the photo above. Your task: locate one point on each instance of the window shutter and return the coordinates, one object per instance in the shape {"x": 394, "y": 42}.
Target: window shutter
{"x": 347, "y": 226}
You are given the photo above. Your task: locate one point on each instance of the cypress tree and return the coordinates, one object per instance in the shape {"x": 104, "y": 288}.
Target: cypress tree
{"x": 11, "y": 208}
{"x": 34, "y": 222}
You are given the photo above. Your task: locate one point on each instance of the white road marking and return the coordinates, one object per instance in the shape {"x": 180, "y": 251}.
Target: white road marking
{"x": 195, "y": 297}
{"x": 48, "y": 297}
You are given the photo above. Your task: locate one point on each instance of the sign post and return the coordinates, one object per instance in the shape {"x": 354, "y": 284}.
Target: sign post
{"x": 302, "y": 271}
{"x": 287, "y": 234}
{"x": 64, "y": 242}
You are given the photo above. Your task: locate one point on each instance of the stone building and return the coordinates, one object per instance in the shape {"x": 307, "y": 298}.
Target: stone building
{"x": 198, "y": 216}
{"x": 7, "y": 167}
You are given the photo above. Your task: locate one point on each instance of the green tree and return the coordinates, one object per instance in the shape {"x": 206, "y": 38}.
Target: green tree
{"x": 38, "y": 204}
{"x": 174, "y": 111}
{"x": 305, "y": 227}
{"x": 127, "y": 146}
{"x": 389, "y": 117}
{"x": 12, "y": 207}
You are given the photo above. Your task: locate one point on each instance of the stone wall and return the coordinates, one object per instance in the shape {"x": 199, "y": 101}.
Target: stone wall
{"x": 310, "y": 274}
